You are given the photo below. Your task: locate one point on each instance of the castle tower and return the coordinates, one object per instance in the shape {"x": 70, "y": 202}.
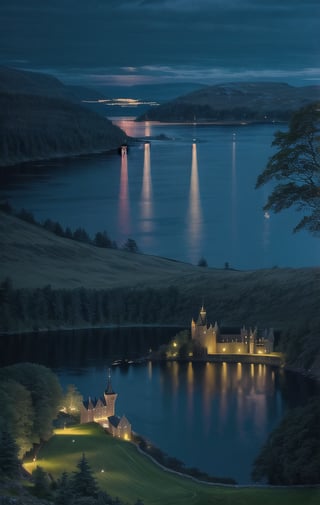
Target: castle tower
{"x": 110, "y": 397}
{"x": 206, "y": 336}
{"x": 193, "y": 328}
{"x": 202, "y": 319}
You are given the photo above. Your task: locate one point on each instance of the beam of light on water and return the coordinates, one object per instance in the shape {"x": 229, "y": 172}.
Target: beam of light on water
{"x": 195, "y": 233}
{"x": 124, "y": 204}
{"x": 234, "y": 224}
{"x": 146, "y": 193}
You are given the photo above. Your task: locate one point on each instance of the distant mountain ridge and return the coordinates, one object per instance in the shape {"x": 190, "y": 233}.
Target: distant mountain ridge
{"x": 236, "y": 102}
{"x": 40, "y": 118}
{"x": 36, "y": 83}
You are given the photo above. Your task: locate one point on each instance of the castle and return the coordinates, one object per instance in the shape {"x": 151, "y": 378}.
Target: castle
{"x": 246, "y": 342}
{"x": 102, "y": 411}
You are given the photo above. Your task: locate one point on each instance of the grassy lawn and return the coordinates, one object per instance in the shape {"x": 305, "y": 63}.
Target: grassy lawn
{"x": 130, "y": 475}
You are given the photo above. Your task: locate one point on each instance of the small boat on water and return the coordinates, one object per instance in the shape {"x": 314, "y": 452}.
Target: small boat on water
{"x": 126, "y": 362}
{"x": 122, "y": 362}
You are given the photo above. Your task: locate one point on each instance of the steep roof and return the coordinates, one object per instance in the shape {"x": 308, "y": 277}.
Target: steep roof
{"x": 114, "y": 420}
{"x": 109, "y": 389}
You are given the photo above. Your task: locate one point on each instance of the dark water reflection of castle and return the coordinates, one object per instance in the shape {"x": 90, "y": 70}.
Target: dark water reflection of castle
{"x": 247, "y": 390}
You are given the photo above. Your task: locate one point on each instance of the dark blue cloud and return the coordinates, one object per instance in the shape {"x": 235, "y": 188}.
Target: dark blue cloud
{"x": 163, "y": 39}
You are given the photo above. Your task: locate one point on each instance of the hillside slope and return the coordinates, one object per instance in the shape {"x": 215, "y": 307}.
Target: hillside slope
{"x": 33, "y": 257}
{"x": 137, "y": 288}
{"x": 240, "y": 102}
{"x": 24, "y": 82}
{"x": 41, "y": 119}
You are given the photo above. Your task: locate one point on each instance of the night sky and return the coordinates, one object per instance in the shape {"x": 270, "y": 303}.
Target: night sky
{"x": 151, "y": 41}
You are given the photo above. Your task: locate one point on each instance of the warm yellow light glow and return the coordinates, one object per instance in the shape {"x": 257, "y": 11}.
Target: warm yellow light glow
{"x": 72, "y": 431}
{"x": 190, "y": 354}
{"x": 239, "y": 350}
{"x": 174, "y": 344}
{"x": 122, "y": 102}
{"x": 224, "y": 349}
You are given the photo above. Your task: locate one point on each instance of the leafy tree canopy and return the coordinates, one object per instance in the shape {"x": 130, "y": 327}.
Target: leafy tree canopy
{"x": 45, "y": 392}
{"x": 72, "y": 400}
{"x": 17, "y": 413}
{"x": 291, "y": 455}
{"x": 295, "y": 167}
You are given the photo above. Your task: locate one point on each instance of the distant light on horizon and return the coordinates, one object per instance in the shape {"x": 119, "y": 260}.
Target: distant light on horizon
{"x": 122, "y": 102}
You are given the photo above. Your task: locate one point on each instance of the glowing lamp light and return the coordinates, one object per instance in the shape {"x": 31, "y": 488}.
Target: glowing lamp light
{"x": 174, "y": 344}
{"x": 224, "y": 349}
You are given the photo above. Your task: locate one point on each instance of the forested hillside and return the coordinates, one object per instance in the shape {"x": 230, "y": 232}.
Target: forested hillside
{"x": 50, "y": 282}
{"x": 38, "y": 121}
{"x": 236, "y": 102}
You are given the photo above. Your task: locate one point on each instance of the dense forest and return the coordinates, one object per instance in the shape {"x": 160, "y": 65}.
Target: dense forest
{"x": 47, "y": 308}
{"x": 26, "y": 133}
{"x": 291, "y": 455}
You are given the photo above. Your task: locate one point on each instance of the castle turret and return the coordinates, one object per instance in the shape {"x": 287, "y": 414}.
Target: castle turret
{"x": 206, "y": 336}
{"x": 110, "y": 397}
{"x": 202, "y": 319}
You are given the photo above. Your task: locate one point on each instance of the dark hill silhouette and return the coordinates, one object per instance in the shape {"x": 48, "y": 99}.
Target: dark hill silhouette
{"x": 236, "y": 102}
{"x": 41, "y": 119}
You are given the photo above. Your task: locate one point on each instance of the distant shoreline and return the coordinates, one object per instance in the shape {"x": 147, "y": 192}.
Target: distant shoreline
{"x": 211, "y": 123}
{"x": 276, "y": 360}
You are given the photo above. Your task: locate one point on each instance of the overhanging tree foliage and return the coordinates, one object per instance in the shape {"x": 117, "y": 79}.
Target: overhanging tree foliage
{"x": 291, "y": 455}
{"x": 295, "y": 167}
{"x": 30, "y": 396}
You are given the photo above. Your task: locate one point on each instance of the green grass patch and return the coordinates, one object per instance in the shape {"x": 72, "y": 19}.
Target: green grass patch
{"x": 122, "y": 471}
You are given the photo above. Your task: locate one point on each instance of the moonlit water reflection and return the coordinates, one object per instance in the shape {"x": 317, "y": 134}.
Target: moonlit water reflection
{"x": 85, "y": 192}
{"x": 124, "y": 206}
{"x": 194, "y": 212}
{"x": 234, "y": 225}
{"x": 146, "y": 194}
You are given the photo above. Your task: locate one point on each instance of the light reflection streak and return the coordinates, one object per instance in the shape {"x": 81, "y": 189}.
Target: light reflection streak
{"x": 209, "y": 385}
{"x": 147, "y": 129}
{"x": 234, "y": 226}
{"x": 231, "y": 396}
{"x": 224, "y": 388}
{"x": 124, "y": 206}
{"x": 195, "y": 212}
{"x": 190, "y": 388}
{"x": 146, "y": 194}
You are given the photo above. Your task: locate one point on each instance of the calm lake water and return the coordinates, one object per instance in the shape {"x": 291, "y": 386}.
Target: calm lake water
{"x": 186, "y": 196}
{"x": 212, "y": 416}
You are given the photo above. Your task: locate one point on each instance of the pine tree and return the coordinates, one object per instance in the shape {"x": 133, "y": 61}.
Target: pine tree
{"x": 64, "y": 490}
{"x": 84, "y": 484}
{"x": 41, "y": 483}
{"x": 9, "y": 462}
